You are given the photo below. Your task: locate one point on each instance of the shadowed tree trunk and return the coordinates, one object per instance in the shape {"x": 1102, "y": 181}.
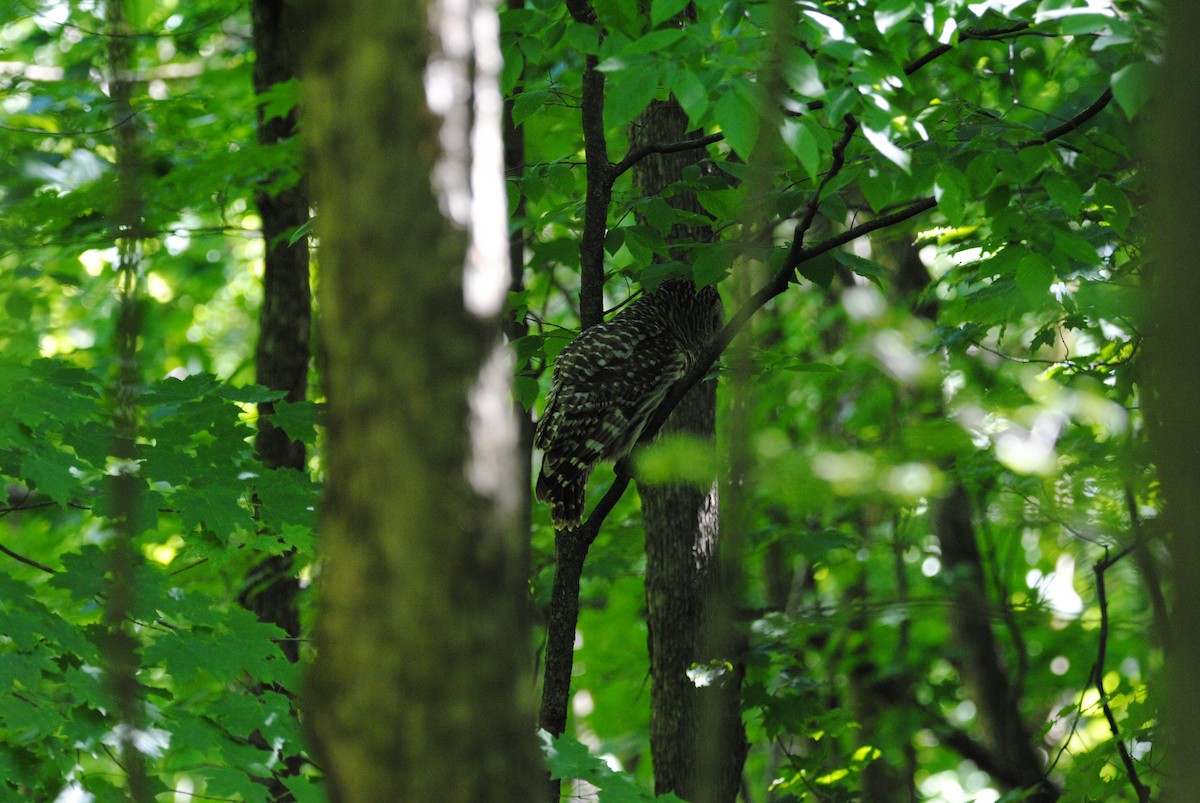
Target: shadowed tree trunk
{"x": 281, "y": 360}
{"x": 1173, "y": 345}
{"x": 421, "y": 689}
{"x": 980, "y": 663}
{"x": 697, "y": 739}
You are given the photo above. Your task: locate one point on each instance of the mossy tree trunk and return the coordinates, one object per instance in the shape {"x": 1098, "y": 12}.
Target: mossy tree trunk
{"x": 1173, "y": 345}
{"x": 421, "y": 688}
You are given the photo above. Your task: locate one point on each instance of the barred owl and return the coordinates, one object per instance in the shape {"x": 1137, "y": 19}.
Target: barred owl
{"x": 609, "y": 381}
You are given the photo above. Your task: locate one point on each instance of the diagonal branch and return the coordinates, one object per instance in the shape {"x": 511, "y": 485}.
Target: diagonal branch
{"x": 1140, "y": 789}
{"x": 798, "y": 255}
{"x": 27, "y": 561}
{"x": 1072, "y": 124}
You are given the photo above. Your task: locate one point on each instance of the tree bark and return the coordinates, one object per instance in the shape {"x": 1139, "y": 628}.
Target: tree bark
{"x": 1173, "y": 346}
{"x": 282, "y": 356}
{"x": 980, "y": 663}
{"x": 697, "y": 740}
{"x": 421, "y": 686}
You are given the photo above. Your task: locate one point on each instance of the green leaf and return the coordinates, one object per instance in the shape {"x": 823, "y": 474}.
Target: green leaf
{"x": 1064, "y": 192}
{"x": 663, "y": 10}
{"x": 525, "y": 390}
{"x": 982, "y": 173}
{"x": 819, "y": 270}
{"x": 298, "y": 419}
{"x": 1083, "y": 24}
{"x": 712, "y": 265}
{"x": 738, "y": 120}
{"x": 891, "y": 13}
{"x": 1076, "y": 246}
{"x": 692, "y": 95}
{"x": 879, "y": 188}
{"x": 514, "y": 66}
{"x": 18, "y": 306}
{"x": 804, "y": 146}
{"x": 655, "y": 42}
{"x": 50, "y": 473}
{"x": 1034, "y": 276}
{"x": 527, "y": 103}
{"x": 866, "y": 268}
{"x": 280, "y": 99}
{"x": 565, "y": 757}
{"x": 628, "y": 93}
{"x": 301, "y": 231}
{"x": 951, "y": 192}
{"x": 804, "y": 76}
{"x": 883, "y": 143}
{"x": 83, "y": 572}
{"x": 584, "y": 38}
{"x": 1131, "y": 86}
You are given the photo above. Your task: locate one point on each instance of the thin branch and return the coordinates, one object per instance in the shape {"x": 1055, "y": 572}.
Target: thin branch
{"x": 1142, "y": 791}
{"x": 968, "y": 34}
{"x": 1149, "y": 570}
{"x": 159, "y": 34}
{"x": 1072, "y": 124}
{"x": 47, "y": 133}
{"x": 4, "y": 511}
{"x": 27, "y": 561}
{"x": 638, "y": 154}
{"x": 810, "y": 209}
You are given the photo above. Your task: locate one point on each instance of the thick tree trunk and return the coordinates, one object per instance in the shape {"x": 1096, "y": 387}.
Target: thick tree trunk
{"x": 697, "y": 739}
{"x": 1173, "y": 345}
{"x": 421, "y": 686}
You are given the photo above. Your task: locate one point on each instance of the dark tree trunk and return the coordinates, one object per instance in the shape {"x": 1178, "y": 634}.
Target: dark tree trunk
{"x": 697, "y": 739}
{"x": 514, "y": 169}
{"x": 282, "y": 357}
{"x": 980, "y": 662}
{"x": 421, "y": 687}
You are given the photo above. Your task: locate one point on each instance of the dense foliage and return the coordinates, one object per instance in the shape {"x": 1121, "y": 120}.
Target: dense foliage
{"x": 976, "y": 329}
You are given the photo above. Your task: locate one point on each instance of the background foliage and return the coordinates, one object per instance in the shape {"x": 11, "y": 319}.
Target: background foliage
{"x": 992, "y": 342}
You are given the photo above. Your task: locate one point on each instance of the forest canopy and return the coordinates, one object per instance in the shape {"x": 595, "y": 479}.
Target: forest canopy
{"x": 925, "y": 556}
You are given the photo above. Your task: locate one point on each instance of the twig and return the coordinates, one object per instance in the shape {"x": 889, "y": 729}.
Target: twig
{"x": 1142, "y": 791}
{"x": 27, "y": 561}
{"x": 1075, "y": 122}
{"x": 1146, "y": 565}
{"x": 985, "y": 34}
{"x": 638, "y": 154}
{"x": 810, "y": 209}
{"x": 47, "y": 133}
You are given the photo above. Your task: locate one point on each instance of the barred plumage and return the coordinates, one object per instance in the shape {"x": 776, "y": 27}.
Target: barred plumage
{"x": 609, "y": 381}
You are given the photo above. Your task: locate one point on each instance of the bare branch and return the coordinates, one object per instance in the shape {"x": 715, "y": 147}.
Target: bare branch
{"x": 638, "y": 154}
{"x": 27, "y": 561}
{"x": 1074, "y": 123}
{"x": 1142, "y": 791}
